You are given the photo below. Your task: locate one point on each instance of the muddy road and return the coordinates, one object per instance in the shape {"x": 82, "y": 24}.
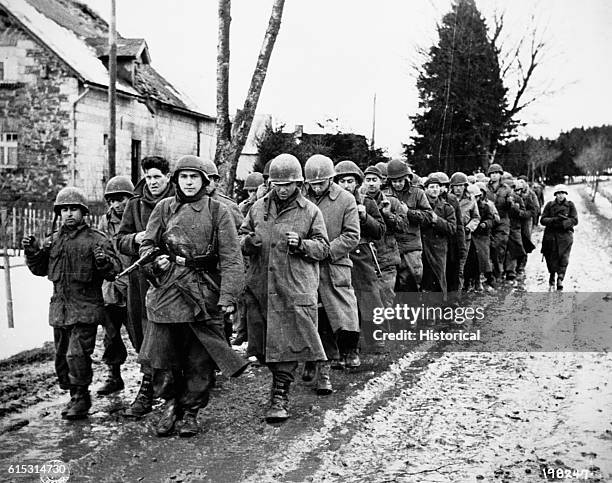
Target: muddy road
{"x": 520, "y": 405}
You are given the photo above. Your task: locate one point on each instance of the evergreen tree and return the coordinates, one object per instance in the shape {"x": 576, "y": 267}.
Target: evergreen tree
{"x": 462, "y": 97}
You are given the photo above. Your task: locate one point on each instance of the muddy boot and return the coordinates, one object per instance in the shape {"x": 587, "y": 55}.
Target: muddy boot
{"x": 143, "y": 403}
{"x": 113, "y": 381}
{"x": 309, "y": 372}
{"x": 352, "y": 359}
{"x": 67, "y": 407}
{"x": 80, "y": 405}
{"x": 560, "y": 278}
{"x": 324, "y": 386}
{"x": 189, "y": 426}
{"x": 551, "y": 280}
{"x": 279, "y": 402}
{"x": 165, "y": 425}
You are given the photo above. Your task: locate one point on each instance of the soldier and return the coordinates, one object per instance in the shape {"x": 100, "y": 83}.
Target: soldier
{"x": 365, "y": 273}
{"x": 517, "y": 214}
{"x": 148, "y": 193}
{"x": 285, "y": 237}
{"x": 387, "y": 251}
{"x": 117, "y": 193}
{"x": 76, "y": 258}
{"x": 195, "y": 282}
{"x": 410, "y": 269}
{"x": 251, "y": 186}
{"x": 470, "y": 217}
{"x": 338, "y": 322}
{"x": 559, "y": 217}
{"x": 382, "y": 167}
{"x": 530, "y": 200}
{"x": 500, "y": 194}
{"x": 437, "y": 231}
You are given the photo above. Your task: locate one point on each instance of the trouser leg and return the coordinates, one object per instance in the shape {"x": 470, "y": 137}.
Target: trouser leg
{"x": 80, "y": 348}
{"x": 61, "y": 337}
{"x": 115, "y": 352}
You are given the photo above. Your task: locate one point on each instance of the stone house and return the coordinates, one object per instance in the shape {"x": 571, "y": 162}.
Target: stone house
{"x": 53, "y": 103}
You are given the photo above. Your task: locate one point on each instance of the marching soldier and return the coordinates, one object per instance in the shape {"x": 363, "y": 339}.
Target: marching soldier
{"x": 76, "y": 258}
{"x": 285, "y": 237}
{"x": 500, "y": 194}
{"x": 117, "y": 193}
{"x": 338, "y": 322}
{"x": 155, "y": 187}
{"x": 194, "y": 283}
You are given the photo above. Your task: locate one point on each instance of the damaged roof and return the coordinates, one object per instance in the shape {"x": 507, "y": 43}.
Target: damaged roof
{"x": 79, "y": 36}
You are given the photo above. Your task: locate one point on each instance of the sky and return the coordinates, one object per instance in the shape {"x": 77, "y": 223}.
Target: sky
{"x": 332, "y": 56}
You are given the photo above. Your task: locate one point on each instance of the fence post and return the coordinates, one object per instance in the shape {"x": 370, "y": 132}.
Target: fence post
{"x": 14, "y": 230}
{"x": 7, "y": 268}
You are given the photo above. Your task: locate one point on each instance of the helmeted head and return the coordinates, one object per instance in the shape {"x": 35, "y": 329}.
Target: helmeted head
{"x": 495, "y": 168}
{"x": 118, "y": 190}
{"x": 560, "y": 192}
{"x": 285, "y": 168}
{"x": 382, "y": 167}
{"x": 372, "y": 180}
{"x": 253, "y": 181}
{"x": 433, "y": 183}
{"x": 348, "y": 175}
{"x": 71, "y": 205}
{"x": 185, "y": 176}
{"x": 397, "y": 174}
{"x": 480, "y": 177}
{"x": 318, "y": 168}
{"x": 473, "y": 190}
{"x": 458, "y": 181}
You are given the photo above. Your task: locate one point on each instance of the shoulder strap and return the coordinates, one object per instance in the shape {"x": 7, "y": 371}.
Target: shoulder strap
{"x": 213, "y": 206}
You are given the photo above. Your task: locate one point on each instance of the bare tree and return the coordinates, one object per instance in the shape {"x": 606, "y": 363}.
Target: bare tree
{"x": 539, "y": 155}
{"x": 595, "y": 159}
{"x": 231, "y": 137}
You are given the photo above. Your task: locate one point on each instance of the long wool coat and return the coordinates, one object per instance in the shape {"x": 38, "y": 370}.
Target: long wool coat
{"x": 559, "y": 220}
{"x": 335, "y": 290}
{"x": 281, "y": 294}
{"x": 481, "y": 237}
{"x": 436, "y": 239}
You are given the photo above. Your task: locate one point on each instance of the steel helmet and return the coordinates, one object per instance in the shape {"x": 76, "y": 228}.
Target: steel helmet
{"x": 211, "y": 169}
{"x": 70, "y": 196}
{"x": 458, "y": 178}
{"x": 495, "y": 168}
{"x": 434, "y": 178}
{"x": 396, "y": 169}
{"x": 382, "y": 167}
{"x": 506, "y": 176}
{"x": 474, "y": 190}
{"x": 560, "y": 188}
{"x": 119, "y": 185}
{"x": 253, "y": 181}
{"x": 193, "y": 163}
{"x": 482, "y": 186}
{"x": 348, "y": 168}
{"x": 318, "y": 168}
{"x": 285, "y": 168}
{"x": 442, "y": 177}
{"x": 480, "y": 177}
{"x": 373, "y": 170}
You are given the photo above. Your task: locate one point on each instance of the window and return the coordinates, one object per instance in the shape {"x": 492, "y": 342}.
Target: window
{"x": 1, "y": 71}
{"x": 8, "y": 149}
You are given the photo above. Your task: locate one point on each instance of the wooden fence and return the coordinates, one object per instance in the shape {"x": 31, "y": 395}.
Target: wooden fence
{"x": 31, "y": 220}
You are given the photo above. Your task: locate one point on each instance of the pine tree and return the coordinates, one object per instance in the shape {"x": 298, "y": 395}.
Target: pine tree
{"x": 462, "y": 97}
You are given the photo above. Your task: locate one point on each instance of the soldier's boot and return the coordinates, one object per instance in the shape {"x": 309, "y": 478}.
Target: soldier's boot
{"x": 143, "y": 403}
{"x": 67, "y": 407}
{"x": 81, "y": 404}
{"x": 166, "y": 422}
{"x": 352, "y": 359}
{"x": 189, "y": 426}
{"x": 113, "y": 382}
{"x": 324, "y": 386}
{"x": 279, "y": 402}
{"x": 551, "y": 280}
{"x": 560, "y": 277}
{"x": 309, "y": 372}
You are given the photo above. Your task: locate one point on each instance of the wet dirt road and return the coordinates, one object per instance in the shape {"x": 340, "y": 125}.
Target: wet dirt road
{"x": 423, "y": 412}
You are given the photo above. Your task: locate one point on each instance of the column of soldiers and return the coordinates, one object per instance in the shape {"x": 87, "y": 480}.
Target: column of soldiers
{"x": 296, "y": 270}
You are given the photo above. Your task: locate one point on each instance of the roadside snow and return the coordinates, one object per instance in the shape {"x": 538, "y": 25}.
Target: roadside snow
{"x": 31, "y": 296}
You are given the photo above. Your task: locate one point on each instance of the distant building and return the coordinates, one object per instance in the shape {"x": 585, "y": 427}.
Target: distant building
{"x": 53, "y": 100}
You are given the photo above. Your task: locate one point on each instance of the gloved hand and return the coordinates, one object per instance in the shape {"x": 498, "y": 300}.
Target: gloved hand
{"x": 101, "y": 258}
{"x": 253, "y": 242}
{"x": 30, "y": 244}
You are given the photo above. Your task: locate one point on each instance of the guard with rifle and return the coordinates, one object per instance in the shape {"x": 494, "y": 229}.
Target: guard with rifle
{"x": 76, "y": 258}
{"x": 365, "y": 279}
{"x": 195, "y": 280}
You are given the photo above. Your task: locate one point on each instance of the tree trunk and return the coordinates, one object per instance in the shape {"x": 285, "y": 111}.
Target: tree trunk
{"x": 222, "y": 128}
{"x": 232, "y": 141}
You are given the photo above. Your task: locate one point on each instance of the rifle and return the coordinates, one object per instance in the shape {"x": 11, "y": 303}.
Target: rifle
{"x": 377, "y": 266}
{"x": 146, "y": 258}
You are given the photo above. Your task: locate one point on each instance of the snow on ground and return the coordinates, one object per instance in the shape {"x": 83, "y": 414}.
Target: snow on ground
{"x": 603, "y": 200}
{"x": 31, "y": 296}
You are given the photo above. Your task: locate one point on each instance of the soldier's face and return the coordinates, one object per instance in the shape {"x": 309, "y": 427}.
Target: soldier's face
{"x": 190, "y": 182}
{"x": 285, "y": 190}
{"x": 398, "y": 184}
{"x": 494, "y": 177}
{"x": 458, "y": 189}
{"x": 71, "y": 215}
{"x": 156, "y": 181}
{"x": 560, "y": 196}
{"x": 433, "y": 190}
{"x": 372, "y": 184}
{"x": 319, "y": 187}
{"x": 117, "y": 203}
{"x": 349, "y": 183}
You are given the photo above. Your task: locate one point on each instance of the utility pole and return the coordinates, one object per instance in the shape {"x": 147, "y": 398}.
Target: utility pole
{"x": 372, "y": 143}
{"x": 112, "y": 92}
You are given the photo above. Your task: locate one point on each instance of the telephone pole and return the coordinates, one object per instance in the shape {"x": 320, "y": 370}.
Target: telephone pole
{"x": 112, "y": 92}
